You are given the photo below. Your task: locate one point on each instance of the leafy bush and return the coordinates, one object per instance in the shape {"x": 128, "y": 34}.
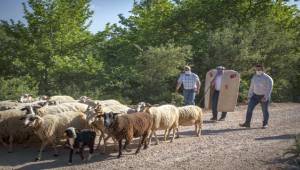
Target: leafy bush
{"x": 13, "y": 88}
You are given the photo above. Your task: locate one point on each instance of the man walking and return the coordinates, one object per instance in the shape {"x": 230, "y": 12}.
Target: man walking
{"x": 191, "y": 85}
{"x": 260, "y": 92}
{"x": 216, "y": 84}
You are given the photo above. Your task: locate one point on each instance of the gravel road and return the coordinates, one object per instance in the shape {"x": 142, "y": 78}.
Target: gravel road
{"x": 223, "y": 145}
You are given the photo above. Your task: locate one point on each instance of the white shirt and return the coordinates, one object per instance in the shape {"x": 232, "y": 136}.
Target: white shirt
{"x": 261, "y": 85}
{"x": 218, "y": 82}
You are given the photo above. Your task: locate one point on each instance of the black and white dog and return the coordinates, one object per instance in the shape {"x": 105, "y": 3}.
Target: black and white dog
{"x": 78, "y": 140}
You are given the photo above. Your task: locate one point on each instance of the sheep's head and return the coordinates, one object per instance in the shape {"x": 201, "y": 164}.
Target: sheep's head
{"x": 26, "y": 98}
{"x": 52, "y": 102}
{"x": 92, "y": 112}
{"x": 109, "y": 118}
{"x": 31, "y": 109}
{"x": 71, "y": 135}
{"x": 142, "y": 107}
{"x": 98, "y": 109}
{"x": 31, "y": 120}
{"x": 84, "y": 99}
{"x": 44, "y": 97}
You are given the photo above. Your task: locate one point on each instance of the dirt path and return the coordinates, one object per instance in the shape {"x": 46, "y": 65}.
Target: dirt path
{"x": 223, "y": 145}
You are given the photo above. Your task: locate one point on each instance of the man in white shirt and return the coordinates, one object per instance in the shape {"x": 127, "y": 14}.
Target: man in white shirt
{"x": 260, "y": 92}
{"x": 191, "y": 85}
{"x": 216, "y": 84}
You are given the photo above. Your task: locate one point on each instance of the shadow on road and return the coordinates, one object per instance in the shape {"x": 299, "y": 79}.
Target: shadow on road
{"x": 278, "y": 137}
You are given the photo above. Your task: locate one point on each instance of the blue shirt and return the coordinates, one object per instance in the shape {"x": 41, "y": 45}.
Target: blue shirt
{"x": 188, "y": 80}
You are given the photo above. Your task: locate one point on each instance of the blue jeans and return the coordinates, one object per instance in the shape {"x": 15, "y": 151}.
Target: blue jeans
{"x": 255, "y": 99}
{"x": 189, "y": 96}
{"x": 214, "y": 107}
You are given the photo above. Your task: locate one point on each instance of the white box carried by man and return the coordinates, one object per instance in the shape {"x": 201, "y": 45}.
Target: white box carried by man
{"x": 228, "y": 92}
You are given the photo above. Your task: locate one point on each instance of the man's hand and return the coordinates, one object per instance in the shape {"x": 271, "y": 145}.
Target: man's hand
{"x": 248, "y": 100}
{"x": 197, "y": 91}
{"x": 264, "y": 99}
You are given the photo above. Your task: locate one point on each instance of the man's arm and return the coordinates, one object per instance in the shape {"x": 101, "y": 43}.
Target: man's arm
{"x": 179, "y": 82}
{"x": 198, "y": 84}
{"x": 250, "y": 93}
{"x": 178, "y": 86}
{"x": 267, "y": 95}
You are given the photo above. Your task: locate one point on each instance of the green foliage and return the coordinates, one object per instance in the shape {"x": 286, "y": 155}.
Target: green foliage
{"x": 141, "y": 59}
{"x": 13, "y": 88}
{"x": 157, "y": 67}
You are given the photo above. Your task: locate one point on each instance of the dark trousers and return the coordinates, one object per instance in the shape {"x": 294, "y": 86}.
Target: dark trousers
{"x": 254, "y": 100}
{"x": 215, "y": 99}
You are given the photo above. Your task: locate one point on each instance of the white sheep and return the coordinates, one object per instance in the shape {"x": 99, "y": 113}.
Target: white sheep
{"x": 107, "y": 105}
{"x": 55, "y": 109}
{"x": 191, "y": 115}
{"x": 51, "y": 127}
{"x": 8, "y": 104}
{"x": 165, "y": 117}
{"x": 12, "y": 128}
{"x": 60, "y": 99}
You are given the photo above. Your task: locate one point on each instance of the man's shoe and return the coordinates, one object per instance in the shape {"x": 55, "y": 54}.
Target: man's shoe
{"x": 214, "y": 119}
{"x": 247, "y": 125}
{"x": 264, "y": 126}
{"x": 222, "y": 119}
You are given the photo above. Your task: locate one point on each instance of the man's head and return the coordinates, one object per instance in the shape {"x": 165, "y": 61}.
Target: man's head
{"x": 187, "y": 69}
{"x": 220, "y": 69}
{"x": 259, "y": 69}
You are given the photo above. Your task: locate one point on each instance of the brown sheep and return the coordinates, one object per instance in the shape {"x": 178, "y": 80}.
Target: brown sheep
{"x": 128, "y": 126}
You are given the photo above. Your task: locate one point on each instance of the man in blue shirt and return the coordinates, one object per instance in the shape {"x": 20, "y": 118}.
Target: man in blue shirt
{"x": 191, "y": 85}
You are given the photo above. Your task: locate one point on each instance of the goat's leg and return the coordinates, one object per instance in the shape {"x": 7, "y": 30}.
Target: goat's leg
{"x": 120, "y": 148}
{"x": 174, "y": 133}
{"x": 39, "y": 157}
{"x": 141, "y": 142}
{"x": 11, "y": 140}
{"x": 125, "y": 146}
{"x": 105, "y": 143}
{"x": 150, "y": 137}
{"x": 81, "y": 147}
{"x": 91, "y": 150}
{"x": 199, "y": 129}
{"x": 100, "y": 138}
{"x": 157, "y": 141}
{"x": 55, "y": 149}
{"x": 3, "y": 143}
{"x": 167, "y": 133}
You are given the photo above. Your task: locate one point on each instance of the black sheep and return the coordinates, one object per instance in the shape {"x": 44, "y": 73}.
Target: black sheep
{"x": 80, "y": 139}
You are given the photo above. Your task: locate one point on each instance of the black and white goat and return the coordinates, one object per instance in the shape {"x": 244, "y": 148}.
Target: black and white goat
{"x": 78, "y": 140}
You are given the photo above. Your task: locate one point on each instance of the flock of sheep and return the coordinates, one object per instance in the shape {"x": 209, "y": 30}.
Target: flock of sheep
{"x": 47, "y": 119}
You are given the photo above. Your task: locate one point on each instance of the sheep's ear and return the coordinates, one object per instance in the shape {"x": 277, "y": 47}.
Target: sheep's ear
{"x": 148, "y": 105}
{"x": 34, "y": 118}
{"x": 37, "y": 106}
{"x": 24, "y": 108}
{"x": 115, "y": 114}
{"x": 22, "y": 118}
{"x": 99, "y": 116}
{"x": 42, "y": 104}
